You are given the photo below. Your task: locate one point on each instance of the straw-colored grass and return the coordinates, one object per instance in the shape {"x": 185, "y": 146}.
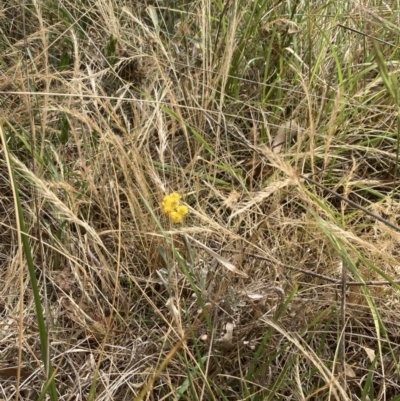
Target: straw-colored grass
{"x": 277, "y": 123}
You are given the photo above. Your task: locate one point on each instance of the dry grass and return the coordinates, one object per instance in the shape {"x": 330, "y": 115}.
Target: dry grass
{"x": 233, "y": 105}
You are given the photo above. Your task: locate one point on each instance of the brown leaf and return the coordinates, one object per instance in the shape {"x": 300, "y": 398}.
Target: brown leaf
{"x": 286, "y": 132}
{"x": 371, "y": 353}
{"x": 349, "y": 372}
{"x": 11, "y": 371}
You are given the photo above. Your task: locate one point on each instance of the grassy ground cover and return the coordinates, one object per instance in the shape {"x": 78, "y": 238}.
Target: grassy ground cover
{"x": 274, "y": 274}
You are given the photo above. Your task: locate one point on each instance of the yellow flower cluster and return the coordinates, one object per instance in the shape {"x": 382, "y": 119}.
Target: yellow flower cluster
{"x": 172, "y": 207}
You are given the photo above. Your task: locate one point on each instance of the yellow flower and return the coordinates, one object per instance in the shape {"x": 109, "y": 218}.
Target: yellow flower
{"x": 176, "y": 217}
{"x": 170, "y": 203}
{"x": 182, "y": 210}
{"x": 170, "y": 206}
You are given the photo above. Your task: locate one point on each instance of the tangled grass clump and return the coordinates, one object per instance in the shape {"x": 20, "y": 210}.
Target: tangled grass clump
{"x": 278, "y": 129}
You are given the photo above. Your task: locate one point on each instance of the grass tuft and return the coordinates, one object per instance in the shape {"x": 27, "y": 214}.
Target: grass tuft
{"x": 274, "y": 275}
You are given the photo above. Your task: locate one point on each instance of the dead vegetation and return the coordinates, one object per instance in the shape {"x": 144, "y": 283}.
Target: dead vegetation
{"x": 265, "y": 119}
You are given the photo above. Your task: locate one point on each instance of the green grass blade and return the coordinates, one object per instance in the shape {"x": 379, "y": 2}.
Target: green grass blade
{"x": 32, "y": 275}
